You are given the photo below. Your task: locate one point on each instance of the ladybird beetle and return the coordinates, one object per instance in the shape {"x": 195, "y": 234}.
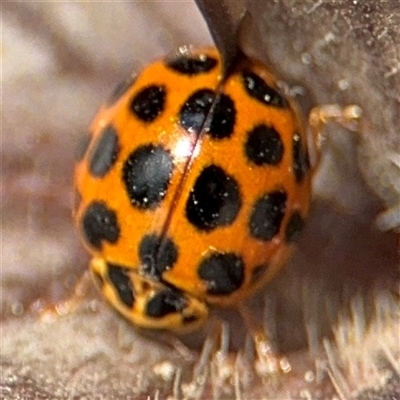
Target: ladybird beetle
{"x": 191, "y": 188}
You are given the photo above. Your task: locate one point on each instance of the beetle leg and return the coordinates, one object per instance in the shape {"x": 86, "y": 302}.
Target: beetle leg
{"x": 50, "y": 311}
{"x": 349, "y": 117}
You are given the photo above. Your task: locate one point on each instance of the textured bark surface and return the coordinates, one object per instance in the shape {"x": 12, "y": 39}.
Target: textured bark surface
{"x": 60, "y": 60}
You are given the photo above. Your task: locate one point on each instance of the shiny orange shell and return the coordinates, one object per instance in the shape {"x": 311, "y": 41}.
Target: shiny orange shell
{"x": 211, "y": 170}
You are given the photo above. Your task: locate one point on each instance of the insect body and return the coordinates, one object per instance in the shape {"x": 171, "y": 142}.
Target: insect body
{"x": 192, "y": 189}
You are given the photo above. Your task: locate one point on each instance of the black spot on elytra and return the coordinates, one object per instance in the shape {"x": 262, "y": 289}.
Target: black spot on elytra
{"x": 146, "y": 175}
{"x": 192, "y": 65}
{"x": 264, "y": 146}
{"x": 223, "y": 118}
{"x": 82, "y": 147}
{"x": 149, "y": 103}
{"x": 119, "y": 277}
{"x": 165, "y": 302}
{"x": 222, "y": 272}
{"x": 214, "y": 200}
{"x": 121, "y": 89}
{"x": 267, "y": 215}
{"x": 257, "y": 88}
{"x": 301, "y": 162}
{"x": 157, "y": 254}
{"x": 195, "y": 110}
{"x": 104, "y": 153}
{"x": 195, "y": 114}
{"x": 99, "y": 223}
{"x": 294, "y": 226}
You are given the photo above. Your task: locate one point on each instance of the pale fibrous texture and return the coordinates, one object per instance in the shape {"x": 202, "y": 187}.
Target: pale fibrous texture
{"x": 333, "y": 312}
{"x": 344, "y": 52}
